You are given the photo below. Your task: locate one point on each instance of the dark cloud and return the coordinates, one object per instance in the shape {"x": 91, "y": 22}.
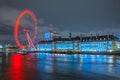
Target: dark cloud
{"x": 6, "y": 30}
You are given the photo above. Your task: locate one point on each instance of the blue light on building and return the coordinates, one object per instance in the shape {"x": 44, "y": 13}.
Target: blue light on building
{"x": 45, "y": 47}
{"x": 84, "y": 44}
{"x": 98, "y": 46}
{"x": 47, "y": 35}
{"x": 64, "y": 46}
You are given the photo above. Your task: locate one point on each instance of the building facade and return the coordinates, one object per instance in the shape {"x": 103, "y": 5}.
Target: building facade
{"x": 105, "y": 43}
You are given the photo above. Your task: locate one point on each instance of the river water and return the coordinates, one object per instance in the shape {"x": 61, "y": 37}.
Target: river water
{"x": 46, "y": 66}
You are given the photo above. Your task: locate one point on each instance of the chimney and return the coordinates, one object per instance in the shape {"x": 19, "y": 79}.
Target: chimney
{"x": 96, "y": 36}
{"x": 91, "y": 36}
{"x": 80, "y": 37}
{"x": 108, "y": 35}
{"x": 70, "y": 35}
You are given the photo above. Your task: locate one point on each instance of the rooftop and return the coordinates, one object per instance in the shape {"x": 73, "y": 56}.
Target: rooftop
{"x": 80, "y": 38}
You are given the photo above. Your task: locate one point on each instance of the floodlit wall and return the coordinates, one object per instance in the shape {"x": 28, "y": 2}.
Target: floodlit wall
{"x": 116, "y": 45}
{"x": 96, "y": 46}
{"x": 64, "y": 46}
{"x": 46, "y": 47}
{"x": 86, "y": 46}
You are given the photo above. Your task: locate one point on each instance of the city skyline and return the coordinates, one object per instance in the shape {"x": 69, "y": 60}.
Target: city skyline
{"x": 88, "y": 16}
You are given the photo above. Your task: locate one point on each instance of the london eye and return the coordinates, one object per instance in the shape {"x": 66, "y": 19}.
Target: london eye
{"x": 17, "y": 26}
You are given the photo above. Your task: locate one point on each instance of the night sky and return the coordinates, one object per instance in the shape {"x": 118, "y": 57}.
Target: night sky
{"x": 76, "y": 16}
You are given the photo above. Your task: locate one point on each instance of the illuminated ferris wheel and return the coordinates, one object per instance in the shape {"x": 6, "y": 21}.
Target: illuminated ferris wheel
{"x": 30, "y": 40}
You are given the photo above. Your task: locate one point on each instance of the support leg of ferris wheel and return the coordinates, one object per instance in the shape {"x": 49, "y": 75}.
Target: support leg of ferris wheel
{"x": 30, "y": 42}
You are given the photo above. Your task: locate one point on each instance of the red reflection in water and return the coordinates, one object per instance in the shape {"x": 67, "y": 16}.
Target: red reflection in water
{"x": 15, "y": 70}
{"x": 16, "y": 60}
{"x": 21, "y": 67}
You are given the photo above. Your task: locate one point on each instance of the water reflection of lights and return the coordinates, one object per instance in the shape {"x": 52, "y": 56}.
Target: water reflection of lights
{"x": 93, "y": 58}
{"x": 82, "y": 58}
{"x": 16, "y": 67}
{"x": 110, "y": 59}
{"x": 65, "y": 63}
{"x": 110, "y": 68}
{"x": 16, "y": 60}
{"x": 96, "y": 59}
{"x": 0, "y": 60}
{"x": 104, "y": 63}
{"x": 0, "y": 66}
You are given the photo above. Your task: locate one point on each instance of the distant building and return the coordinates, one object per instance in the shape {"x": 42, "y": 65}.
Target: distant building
{"x": 11, "y": 48}
{"x": 50, "y": 34}
{"x": 1, "y": 48}
{"x": 56, "y": 35}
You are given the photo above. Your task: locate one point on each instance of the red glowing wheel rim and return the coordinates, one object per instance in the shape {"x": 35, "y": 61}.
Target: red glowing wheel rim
{"x": 16, "y": 27}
